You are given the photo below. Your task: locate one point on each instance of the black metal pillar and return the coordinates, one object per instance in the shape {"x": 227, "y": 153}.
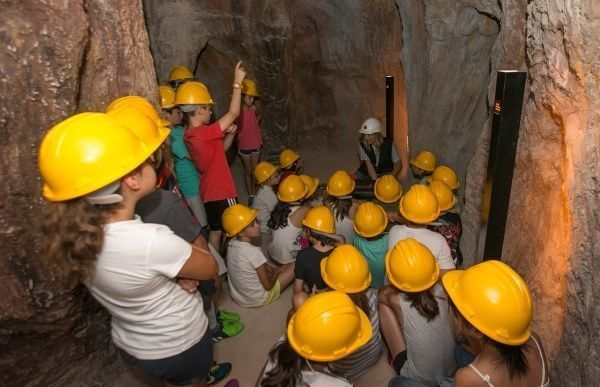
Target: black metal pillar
{"x": 508, "y": 102}
{"x": 389, "y": 107}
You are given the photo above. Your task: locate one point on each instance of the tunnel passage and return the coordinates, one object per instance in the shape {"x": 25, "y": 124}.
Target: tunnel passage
{"x": 446, "y": 52}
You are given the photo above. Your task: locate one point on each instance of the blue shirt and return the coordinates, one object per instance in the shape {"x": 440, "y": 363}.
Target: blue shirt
{"x": 374, "y": 251}
{"x": 187, "y": 174}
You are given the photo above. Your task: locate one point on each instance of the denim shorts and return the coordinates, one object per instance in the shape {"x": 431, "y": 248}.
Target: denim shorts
{"x": 189, "y": 367}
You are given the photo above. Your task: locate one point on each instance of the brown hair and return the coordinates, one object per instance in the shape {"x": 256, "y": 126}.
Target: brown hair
{"x": 425, "y": 303}
{"x": 72, "y": 235}
{"x": 360, "y": 299}
{"x": 340, "y": 207}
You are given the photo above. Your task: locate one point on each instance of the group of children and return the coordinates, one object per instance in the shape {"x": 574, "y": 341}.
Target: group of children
{"x": 366, "y": 274}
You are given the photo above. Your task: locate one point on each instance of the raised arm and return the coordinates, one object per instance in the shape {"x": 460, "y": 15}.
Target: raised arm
{"x": 236, "y": 98}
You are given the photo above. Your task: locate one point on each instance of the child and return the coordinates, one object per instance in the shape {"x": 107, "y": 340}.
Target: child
{"x": 419, "y": 206}
{"x": 371, "y": 239}
{"x": 267, "y": 176}
{"x": 319, "y": 227}
{"x": 448, "y": 176}
{"x": 422, "y": 166}
{"x": 346, "y": 270}
{"x": 448, "y": 224}
{"x": 290, "y": 163}
{"x": 249, "y": 135}
{"x": 286, "y": 220}
{"x": 492, "y": 312}
{"x": 95, "y": 171}
{"x": 179, "y": 75}
{"x": 388, "y": 191}
{"x": 252, "y": 281}
{"x": 378, "y": 155}
{"x": 187, "y": 174}
{"x": 312, "y": 183}
{"x": 339, "y": 199}
{"x": 327, "y": 327}
{"x": 207, "y": 145}
{"x": 414, "y": 315}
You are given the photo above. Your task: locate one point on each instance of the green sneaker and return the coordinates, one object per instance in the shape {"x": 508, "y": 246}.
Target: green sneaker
{"x": 227, "y": 329}
{"x": 223, "y": 315}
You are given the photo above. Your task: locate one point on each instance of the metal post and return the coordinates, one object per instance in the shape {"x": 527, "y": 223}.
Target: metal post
{"x": 389, "y": 107}
{"x": 508, "y": 103}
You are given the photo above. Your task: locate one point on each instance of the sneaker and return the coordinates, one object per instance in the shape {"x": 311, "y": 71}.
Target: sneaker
{"x": 226, "y": 330}
{"x": 223, "y": 315}
{"x": 218, "y": 372}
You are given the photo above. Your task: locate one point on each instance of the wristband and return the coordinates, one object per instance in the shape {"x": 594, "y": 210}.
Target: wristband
{"x": 237, "y": 85}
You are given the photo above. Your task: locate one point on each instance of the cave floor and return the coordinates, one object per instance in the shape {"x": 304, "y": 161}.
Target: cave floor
{"x": 263, "y": 326}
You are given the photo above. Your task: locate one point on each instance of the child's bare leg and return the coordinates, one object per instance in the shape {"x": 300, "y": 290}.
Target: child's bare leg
{"x": 286, "y": 275}
{"x": 248, "y": 181}
{"x": 298, "y": 299}
{"x": 214, "y": 238}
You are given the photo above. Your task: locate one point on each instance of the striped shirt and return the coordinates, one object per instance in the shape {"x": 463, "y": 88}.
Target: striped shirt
{"x": 356, "y": 364}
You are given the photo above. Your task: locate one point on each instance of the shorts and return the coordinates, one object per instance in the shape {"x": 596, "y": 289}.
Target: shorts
{"x": 189, "y": 367}
{"x": 273, "y": 294}
{"x": 214, "y": 212}
{"x": 249, "y": 152}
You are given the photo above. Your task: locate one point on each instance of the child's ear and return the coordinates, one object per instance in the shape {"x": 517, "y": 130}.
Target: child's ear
{"x": 133, "y": 180}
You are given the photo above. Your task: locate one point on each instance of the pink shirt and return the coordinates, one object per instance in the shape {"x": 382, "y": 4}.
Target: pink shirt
{"x": 205, "y": 145}
{"x": 249, "y": 136}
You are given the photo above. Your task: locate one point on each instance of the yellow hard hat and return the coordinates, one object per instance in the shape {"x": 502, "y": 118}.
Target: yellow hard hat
{"x": 419, "y": 205}
{"x": 311, "y": 182}
{"x": 193, "y": 93}
{"x": 249, "y": 88}
{"x": 370, "y": 220}
{"x": 179, "y": 73}
{"x": 167, "y": 97}
{"x": 424, "y": 160}
{"x": 494, "y": 299}
{"x": 141, "y": 125}
{"x": 236, "y": 218}
{"x": 140, "y": 103}
{"x": 320, "y": 218}
{"x": 346, "y": 270}
{"x": 328, "y": 327}
{"x": 340, "y": 184}
{"x": 447, "y": 175}
{"x": 287, "y": 158}
{"x": 87, "y": 152}
{"x": 411, "y": 267}
{"x": 263, "y": 171}
{"x": 443, "y": 194}
{"x": 291, "y": 189}
{"x": 387, "y": 189}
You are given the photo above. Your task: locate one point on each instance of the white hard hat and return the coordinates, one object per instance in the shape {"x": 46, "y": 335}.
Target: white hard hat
{"x": 370, "y": 126}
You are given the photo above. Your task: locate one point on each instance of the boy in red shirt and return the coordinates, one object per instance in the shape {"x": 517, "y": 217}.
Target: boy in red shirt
{"x": 207, "y": 144}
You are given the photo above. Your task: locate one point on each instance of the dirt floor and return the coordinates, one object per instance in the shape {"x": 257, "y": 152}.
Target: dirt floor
{"x": 263, "y": 326}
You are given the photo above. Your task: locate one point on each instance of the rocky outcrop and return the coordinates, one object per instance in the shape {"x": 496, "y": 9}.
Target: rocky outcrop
{"x": 57, "y": 58}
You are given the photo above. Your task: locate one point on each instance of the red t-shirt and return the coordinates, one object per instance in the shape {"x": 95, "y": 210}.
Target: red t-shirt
{"x": 205, "y": 145}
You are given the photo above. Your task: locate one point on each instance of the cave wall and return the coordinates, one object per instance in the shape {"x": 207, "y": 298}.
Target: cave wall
{"x": 320, "y": 67}
{"x": 552, "y": 235}
{"x": 58, "y": 58}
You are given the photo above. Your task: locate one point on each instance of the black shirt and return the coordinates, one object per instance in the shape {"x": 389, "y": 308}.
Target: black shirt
{"x": 308, "y": 268}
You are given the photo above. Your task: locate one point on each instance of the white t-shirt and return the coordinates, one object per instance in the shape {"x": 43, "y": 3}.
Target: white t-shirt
{"x": 152, "y": 316}
{"x": 242, "y": 260}
{"x": 264, "y": 201}
{"x": 434, "y": 242}
{"x": 285, "y": 243}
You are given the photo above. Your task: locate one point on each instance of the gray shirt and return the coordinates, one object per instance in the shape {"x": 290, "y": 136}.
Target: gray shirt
{"x": 429, "y": 344}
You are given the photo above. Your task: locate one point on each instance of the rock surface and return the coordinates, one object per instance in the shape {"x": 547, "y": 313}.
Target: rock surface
{"x": 58, "y": 58}
{"x": 320, "y": 67}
